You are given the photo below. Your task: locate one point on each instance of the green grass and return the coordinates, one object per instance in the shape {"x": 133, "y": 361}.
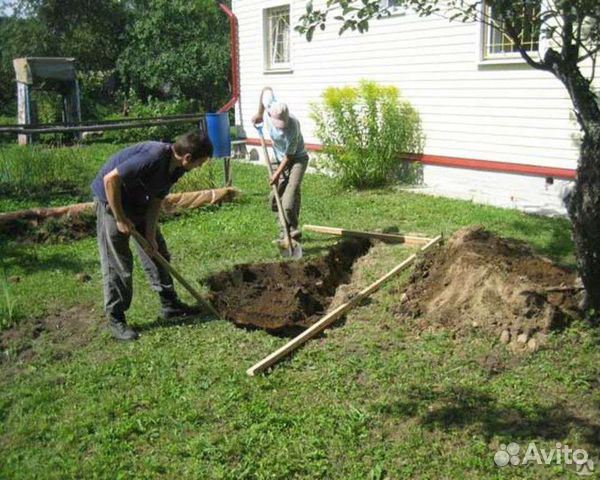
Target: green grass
{"x": 371, "y": 399}
{"x": 42, "y": 176}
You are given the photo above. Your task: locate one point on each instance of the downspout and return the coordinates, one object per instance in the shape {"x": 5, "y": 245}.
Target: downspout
{"x": 235, "y": 57}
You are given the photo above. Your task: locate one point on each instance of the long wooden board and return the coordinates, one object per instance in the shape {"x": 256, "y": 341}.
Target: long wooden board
{"x": 387, "y": 237}
{"x": 332, "y": 316}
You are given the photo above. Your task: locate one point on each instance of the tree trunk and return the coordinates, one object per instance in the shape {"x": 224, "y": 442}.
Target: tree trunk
{"x": 584, "y": 211}
{"x": 584, "y": 205}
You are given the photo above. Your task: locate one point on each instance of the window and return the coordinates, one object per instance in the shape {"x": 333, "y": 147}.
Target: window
{"x": 277, "y": 38}
{"x": 497, "y": 44}
{"x": 393, "y": 6}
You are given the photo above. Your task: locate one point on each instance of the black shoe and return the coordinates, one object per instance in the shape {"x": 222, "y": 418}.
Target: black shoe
{"x": 121, "y": 331}
{"x": 177, "y": 308}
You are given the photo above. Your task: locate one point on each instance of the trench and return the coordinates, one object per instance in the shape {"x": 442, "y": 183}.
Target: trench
{"x": 284, "y": 297}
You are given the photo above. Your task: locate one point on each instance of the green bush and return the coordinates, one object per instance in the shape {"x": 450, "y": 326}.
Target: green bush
{"x": 206, "y": 177}
{"x": 152, "y": 108}
{"x": 97, "y": 99}
{"x": 364, "y": 131}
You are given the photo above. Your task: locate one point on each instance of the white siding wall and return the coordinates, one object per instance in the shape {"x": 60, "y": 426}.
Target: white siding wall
{"x": 508, "y": 113}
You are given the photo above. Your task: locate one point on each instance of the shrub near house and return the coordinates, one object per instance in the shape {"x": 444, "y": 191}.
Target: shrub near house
{"x": 364, "y": 130}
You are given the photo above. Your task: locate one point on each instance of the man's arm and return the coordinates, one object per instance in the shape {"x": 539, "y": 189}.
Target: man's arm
{"x": 112, "y": 185}
{"x": 258, "y": 117}
{"x": 152, "y": 215}
{"x": 277, "y": 173}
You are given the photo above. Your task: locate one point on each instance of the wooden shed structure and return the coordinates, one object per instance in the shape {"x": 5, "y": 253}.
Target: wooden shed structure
{"x": 63, "y": 74}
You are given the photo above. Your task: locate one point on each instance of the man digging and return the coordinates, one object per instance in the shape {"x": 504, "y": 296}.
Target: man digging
{"x": 290, "y": 155}
{"x": 128, "y": 193}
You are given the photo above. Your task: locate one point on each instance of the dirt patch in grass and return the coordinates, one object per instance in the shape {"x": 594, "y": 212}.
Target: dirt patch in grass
{"x": 56, "y": 336}
{"x": 286, "y": 296}
{"x": 77, "y": 221}
{"x": 51, "y": 230}
{"x": 479, "y": 280}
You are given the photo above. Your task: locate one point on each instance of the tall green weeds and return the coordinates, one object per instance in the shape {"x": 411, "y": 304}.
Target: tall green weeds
{"x": 364, "y": 131}
{"x": 42, "y": 176}
{"x": 40, "y": 171}
{"x": 7, "y": 303}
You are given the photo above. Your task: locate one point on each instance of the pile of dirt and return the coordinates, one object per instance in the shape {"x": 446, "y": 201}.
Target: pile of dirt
{"x": 479, "y": 280}
{"x": 286, "y": 296}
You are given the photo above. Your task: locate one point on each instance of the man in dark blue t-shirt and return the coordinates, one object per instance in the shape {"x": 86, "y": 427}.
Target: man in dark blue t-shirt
{"x": 128, "y": 192}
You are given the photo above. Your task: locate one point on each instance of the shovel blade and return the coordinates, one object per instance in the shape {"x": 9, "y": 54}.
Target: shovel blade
{"x": 293, "y": 251}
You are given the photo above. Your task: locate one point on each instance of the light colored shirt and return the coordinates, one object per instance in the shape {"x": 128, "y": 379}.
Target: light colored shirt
{"x": 288, "y": 141}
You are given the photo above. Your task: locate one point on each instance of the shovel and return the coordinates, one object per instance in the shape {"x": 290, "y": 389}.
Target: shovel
{"x": 290, "y": 247}
{"x": 163, "y": 261}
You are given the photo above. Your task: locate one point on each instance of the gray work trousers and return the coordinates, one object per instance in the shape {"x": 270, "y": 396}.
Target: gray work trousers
{"x": 116, "y": 261}
{"x": 289, "y": 188}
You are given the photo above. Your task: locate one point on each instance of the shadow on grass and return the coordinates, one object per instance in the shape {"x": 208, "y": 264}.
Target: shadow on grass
{"x": 560, "y": 244}
{"x": 461, "y": 408}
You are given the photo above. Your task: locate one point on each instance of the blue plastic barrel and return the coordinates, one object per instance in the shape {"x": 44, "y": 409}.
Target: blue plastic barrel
{"x": 218, "y": 132}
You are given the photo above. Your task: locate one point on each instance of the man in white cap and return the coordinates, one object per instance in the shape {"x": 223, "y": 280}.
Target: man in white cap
{"x": 291, "y": 158}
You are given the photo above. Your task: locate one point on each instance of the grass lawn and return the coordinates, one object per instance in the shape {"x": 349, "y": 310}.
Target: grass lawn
{"x": 371, "y": 399}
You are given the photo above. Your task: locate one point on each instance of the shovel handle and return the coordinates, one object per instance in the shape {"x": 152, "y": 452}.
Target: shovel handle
{"x": 164, "y": 262}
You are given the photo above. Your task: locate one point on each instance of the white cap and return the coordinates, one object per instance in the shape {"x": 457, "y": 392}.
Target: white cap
{"x": 280, "y": 114}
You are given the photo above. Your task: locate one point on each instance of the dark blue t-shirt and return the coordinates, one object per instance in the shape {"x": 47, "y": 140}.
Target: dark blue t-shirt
{"x": 144, "y": 171}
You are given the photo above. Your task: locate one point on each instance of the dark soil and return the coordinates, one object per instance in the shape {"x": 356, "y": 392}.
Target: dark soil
{"x": 479, "y": 280}
{"x": 287, "y": 296}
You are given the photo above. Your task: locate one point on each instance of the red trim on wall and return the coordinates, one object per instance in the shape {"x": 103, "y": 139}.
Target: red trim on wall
{"x": 470, "y": 163}
{"x": 235, "y": 57}
{"x": 494, "y": 166}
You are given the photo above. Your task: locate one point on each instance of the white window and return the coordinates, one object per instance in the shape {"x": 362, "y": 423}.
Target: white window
{"x": 277, "y": 38}
{"x": 497, "y": 44}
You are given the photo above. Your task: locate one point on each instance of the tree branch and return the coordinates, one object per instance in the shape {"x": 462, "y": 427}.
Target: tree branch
{"x": 509, "y": 29}
{"x": 589, "y": 53}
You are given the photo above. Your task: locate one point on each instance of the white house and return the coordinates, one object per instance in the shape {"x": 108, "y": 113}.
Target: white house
{"x": 498, "y": 131}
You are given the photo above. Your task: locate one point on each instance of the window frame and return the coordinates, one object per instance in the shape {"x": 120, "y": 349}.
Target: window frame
{"x": 487, "y": 58}
{"x": 269, "y": 65}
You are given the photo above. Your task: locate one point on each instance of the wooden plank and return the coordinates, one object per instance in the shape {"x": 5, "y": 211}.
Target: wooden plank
{"x": 332, "y": 316}
{"x": 388, "y": 237}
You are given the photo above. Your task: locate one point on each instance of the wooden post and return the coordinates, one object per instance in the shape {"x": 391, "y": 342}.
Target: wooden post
{"x": 72, "y": 108}
{"x": 332, "y": 316}
{"x": 23, "y": 110}
{"x": 227, "y": 171}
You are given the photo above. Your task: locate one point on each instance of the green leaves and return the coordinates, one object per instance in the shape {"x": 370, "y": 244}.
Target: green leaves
{"x": 178, "y": 48}
{"x": 160, "y": 48}
{"x": 364, "y": 130}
